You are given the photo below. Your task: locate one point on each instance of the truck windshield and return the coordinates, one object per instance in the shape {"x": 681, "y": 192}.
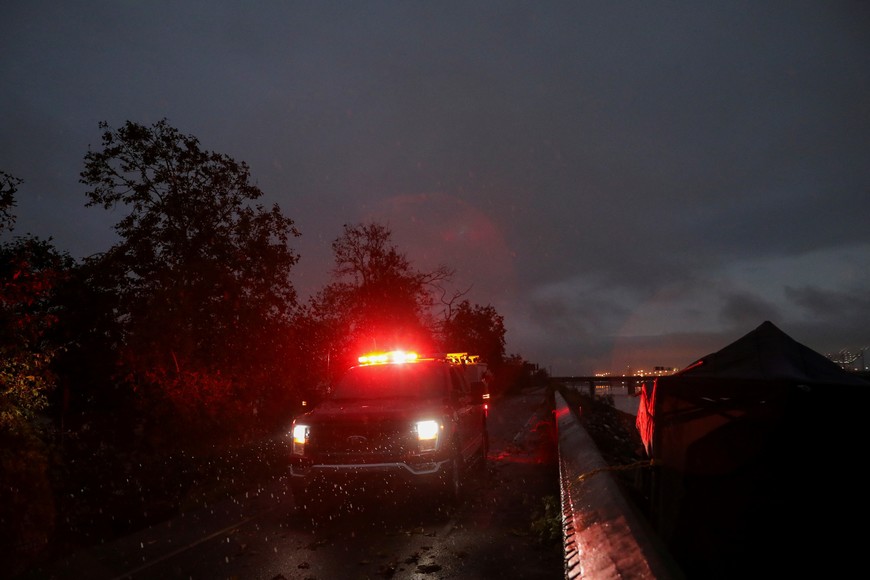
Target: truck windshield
{"x": 391, "y": 381}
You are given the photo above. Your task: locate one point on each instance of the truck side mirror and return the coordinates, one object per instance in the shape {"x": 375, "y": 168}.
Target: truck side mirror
{"x": 478, "y": 392}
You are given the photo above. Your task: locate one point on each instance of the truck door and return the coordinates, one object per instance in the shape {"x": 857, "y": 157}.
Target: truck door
{"x": 467, "y": 420}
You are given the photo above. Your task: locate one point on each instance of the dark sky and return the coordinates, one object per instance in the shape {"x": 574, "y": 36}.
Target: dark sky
{"x": 629, "y": 184}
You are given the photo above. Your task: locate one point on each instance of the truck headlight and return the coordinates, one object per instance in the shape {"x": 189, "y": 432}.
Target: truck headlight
{"x": 427, "y": 434}
{"x": 300, "y": 438}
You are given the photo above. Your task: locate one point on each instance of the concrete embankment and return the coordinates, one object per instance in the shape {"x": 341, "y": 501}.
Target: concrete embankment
{"x": 604, "y": 535}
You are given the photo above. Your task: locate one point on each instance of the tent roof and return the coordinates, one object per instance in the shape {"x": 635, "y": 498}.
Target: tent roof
{"x": 767, "y": 353}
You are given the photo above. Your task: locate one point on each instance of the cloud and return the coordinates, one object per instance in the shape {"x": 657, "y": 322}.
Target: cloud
{"x": 616, "y": 180}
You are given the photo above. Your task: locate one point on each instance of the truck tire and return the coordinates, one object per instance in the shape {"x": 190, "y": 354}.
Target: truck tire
{"x": 451, "y": 482}
{"x": 480, "y": 463}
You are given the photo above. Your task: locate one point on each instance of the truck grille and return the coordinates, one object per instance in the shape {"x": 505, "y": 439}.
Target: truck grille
{"x": 363, "y": 443}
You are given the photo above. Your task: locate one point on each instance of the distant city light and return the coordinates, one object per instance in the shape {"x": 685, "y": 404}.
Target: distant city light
{"x": 658, "y": 371}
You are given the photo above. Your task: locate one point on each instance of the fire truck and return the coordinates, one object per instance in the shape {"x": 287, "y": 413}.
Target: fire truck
{"x": 395, "y": 419}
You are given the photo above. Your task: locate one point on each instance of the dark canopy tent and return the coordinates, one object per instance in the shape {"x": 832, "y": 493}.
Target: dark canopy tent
{"x": 757, "y": 453}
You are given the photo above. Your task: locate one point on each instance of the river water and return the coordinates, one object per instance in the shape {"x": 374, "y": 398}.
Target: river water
{"x": 622, "y": 399}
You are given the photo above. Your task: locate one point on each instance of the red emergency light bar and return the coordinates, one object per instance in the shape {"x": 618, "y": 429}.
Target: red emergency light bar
{"x": 395, "y": 356}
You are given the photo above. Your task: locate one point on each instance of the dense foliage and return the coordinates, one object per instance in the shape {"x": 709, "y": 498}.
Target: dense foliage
{"x": 201, "y": 276}
{"x": 30, "y": 273}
